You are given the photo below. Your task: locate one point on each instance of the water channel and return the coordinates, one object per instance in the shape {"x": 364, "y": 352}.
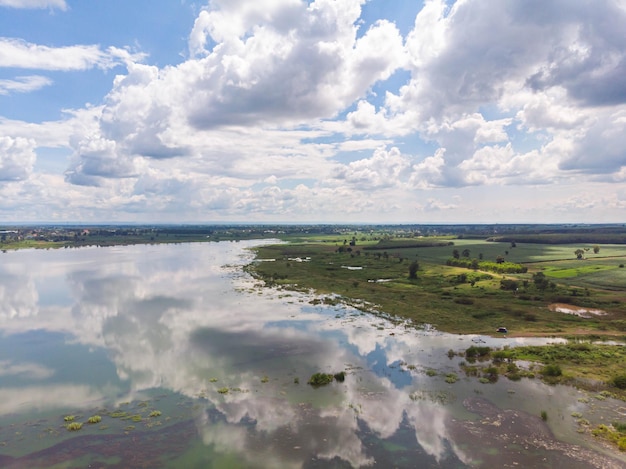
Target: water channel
{"x": 189, "y": 363}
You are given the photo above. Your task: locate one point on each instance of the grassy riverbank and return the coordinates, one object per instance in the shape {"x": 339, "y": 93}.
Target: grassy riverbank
{"x": 558, "y": 295}
{"x": 460, "y": 300}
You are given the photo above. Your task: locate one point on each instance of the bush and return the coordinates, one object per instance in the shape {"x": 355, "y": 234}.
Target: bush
{"x": 620, "y": 381}
{"x": 475, "y": 351}
{"x": 506, "y": 284}
{"x": 552, "y": 370}
{"x": 320, "y": 379}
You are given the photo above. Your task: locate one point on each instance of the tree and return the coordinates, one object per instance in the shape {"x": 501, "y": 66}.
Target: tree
{"x": 413, "y": 268}
{"x": 499, "y": 259}
{"x": 579, "y": 253}
{"x": 466, "y": 252}
{"x": 455, "y": 253}
{"x": 596, "y": 249}
{"x": 540, "y": 281}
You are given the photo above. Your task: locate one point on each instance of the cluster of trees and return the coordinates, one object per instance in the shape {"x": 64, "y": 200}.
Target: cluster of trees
{"x": 497, "y": 267}
{"x": 539, "y": 281}
{"x": 580, "y": 253}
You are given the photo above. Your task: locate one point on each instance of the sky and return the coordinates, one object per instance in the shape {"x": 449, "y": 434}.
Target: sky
{"x": 318, "y": 111}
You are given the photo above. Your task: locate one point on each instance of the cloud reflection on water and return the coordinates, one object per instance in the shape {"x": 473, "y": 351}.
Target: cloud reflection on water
{"x": 174, "y": 317}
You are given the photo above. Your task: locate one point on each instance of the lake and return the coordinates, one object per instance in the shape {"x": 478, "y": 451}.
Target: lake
{"x": 187, "y": 362}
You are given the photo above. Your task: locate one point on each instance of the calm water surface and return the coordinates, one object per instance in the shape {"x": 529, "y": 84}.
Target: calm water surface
{"x": 190, "y": 364}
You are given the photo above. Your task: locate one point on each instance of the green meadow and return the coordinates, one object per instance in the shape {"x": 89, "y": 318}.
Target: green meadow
{"x": 456, "y": 299}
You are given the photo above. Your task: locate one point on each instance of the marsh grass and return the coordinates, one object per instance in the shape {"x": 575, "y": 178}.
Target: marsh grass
{"x": 74, "y": 426}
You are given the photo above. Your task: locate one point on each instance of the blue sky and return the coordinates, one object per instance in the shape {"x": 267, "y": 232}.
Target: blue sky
{"x": 313, "y": 111}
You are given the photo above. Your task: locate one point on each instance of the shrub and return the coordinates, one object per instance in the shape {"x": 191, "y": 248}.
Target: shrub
{"x": 475, "y": 351}
{"x": 544, "y": 415}
{"x": 552, "y": 370}
{"x": 620, "y": 381}
{"x": 320, "y": 379}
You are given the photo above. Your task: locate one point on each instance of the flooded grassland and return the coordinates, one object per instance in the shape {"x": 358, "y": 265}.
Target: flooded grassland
{"x": 172, "y": 356}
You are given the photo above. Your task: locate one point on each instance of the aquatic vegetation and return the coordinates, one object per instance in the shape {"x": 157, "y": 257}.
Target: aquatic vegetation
{"x": 320, "y": 379}
{"x": 340, "y": 377}
{"x": 74, "y": 426}
{"x": 129, "y": 428}
{"x": 222, "y": 390}
{"x": 69, "y": 418}
{"x": 94, "y": 419}
{"x": 296, "y": 380}
{"x": 118, "y": 414}
{"x": 577, "y": 415}
{"x": 430, "y": 372}
{"x": 213, "y": 380}
{"x": 438, "y": 397}
{"x": 451, "y": 378}
{"x": 477, "y": 352}
{"x": 615, "y": 434}
{"x": 155, "y": 413}
{"x": 136, "y": 418}
{"x": 265, "y": 379}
